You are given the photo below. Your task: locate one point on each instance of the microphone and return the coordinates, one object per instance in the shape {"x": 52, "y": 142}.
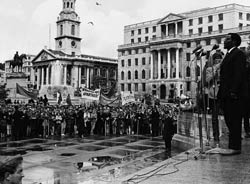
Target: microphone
{"x": 196, "y": 49}
{"x": 215, "y": 47}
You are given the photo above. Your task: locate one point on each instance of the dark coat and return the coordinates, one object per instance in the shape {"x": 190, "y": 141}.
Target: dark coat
{"x": 233, "y": 77}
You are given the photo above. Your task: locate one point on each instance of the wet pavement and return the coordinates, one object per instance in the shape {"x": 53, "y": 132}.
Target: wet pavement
{"x": 89, "y": 160}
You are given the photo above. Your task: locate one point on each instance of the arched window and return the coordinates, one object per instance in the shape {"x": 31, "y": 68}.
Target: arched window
{"x": 67, "y": 4}
{"x": 71, "y": 5}
{"x": 198, "y": 71}
{"x": 188, "y": 72}
{"x": 129, "y": 75}
{"x": 136, "y": 74}
{"x": 122, "y": 76}
{"x": 61, "y": 29}
{"x": 143, "y": 75}
{"x": 64, "y": 5}
{"x": 73, "y": 29}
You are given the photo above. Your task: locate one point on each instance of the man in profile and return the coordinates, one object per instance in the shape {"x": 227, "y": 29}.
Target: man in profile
{"x": 11, "y": 170}
{"x": 233, "y": 91}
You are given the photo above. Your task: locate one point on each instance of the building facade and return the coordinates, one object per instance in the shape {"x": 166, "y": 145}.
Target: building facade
{"x": 65, "y": 65}
{"x": 156, "y": 57}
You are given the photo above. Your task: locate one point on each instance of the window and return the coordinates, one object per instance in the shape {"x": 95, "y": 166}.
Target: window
{"x": 136, "y": 87}
{"x": 129, "y": 52}
{"x": 188, "y": 72}
{"x": 129, "y": 87}
{"x": 218, "y": 40}
{"x": 146, "y": 30}
{"x": 208, "y": 42}
{"x": 139, "y": 31}
{"x": 136, "y": 51}
{"x": 61, "y": 29}
{"x": 146, "y": 38}
{"x": 198, "y": 71}
{"x": 240, "y": 25}
{"x": 139, "y": 40}
{"x": 220, "y": 27}
{"x": 210, "y": 18}
{"x": 122, "y": 75}
{"x": 136, "y": 74}
{"x": 154, "y": 29}
{"x": 71, "y": 5}
{"x": 122, "y": 87}
{"x": 200, "y": 20}
{"x": 67, "y": 4}
{"x": 190, "y": 32}
{"x": 154, "y": 36}
{"x": 132, "y": 33}
{"x": 143, "y": 61}
{"x": 248, "y": 16}
{"x": 144, "y": 50}
{"x": 73, "y": 29}
{"x": 190, "y": 22}
{"x": 143, "y": 75}
{"x": 200, "y": 31}
{"x": 188, "y": 44}
{"x": 188, "y": 85}
{"x": 136, "y": 61}
{"x": 143, "y": 87}
{"x": 129, "y": 75}
{"x": 210, "y": 29}
{"x": 240, "y": 15}
{"x": 122, "y": 63}
{"x": 188, "y": 56}
{"x": 132, "y": 41}
{"x": 129, "y": 62}
{"x": 220, "y": 16}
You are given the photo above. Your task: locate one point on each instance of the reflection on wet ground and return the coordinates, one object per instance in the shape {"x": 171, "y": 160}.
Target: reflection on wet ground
{"x": 109, "y": 144}
{"x": 55, "y": 160}
{"x": 137, "y": 147}
{"x": 90, "y": 148}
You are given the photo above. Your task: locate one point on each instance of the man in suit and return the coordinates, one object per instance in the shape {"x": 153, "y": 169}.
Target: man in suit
{"x": 233, "y": 91}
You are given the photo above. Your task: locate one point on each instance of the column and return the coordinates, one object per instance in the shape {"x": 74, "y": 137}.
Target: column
{"x": 159, "y": 64}
{"x": 65, "y": 75}
{"x": 52, "y": 74}
{"x": 177, "y": 63}
{"x": 76, "y": 76}
{"x": 38, "y": 78}
{"x": 47, "y": 75}
{"x": 169, "y": 64}
{"x": 176, "y": 27}
{"x": 166, "y": 29}
{"x": 42, "y": 83}
{"x": 79, "y": 76}
{"x": 151, "y": 65}
{"x": 88, "y": 77}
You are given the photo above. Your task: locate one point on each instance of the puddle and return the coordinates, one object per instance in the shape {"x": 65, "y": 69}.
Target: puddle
{"x": 152, "y": 143}
{"x": 124, "y": 140}
{"x": 36, "y": 141}
{"x": 67, "y": 154}
{"x": 12, "y": 152}
{"x": 62, "y": 144}
{"x": 137, "y": 147}
{"x": 122, "y": 152}
{"x": 38, "y": 148}
{"x": 109, "y": 144}
{"x": 103, "y": 161}
{"x": 158, "y": 157}
{"x": 90, "y": 148}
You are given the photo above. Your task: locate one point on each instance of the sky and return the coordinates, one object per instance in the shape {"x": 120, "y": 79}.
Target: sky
{"x": 27, "y": 26}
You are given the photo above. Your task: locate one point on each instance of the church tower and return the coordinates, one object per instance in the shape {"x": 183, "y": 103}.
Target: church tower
{"x": 68, "y": 29}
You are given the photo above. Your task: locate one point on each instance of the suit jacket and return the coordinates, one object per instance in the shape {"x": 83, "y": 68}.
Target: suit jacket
{"x": 233, "y": 75}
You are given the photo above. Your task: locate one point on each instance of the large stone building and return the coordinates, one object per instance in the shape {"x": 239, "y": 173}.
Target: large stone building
{"x": 156, "y": 56}
{"x": 65, "y": 65}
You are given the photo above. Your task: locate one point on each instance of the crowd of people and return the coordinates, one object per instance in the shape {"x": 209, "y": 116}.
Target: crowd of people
{"x": 42, "y": 120}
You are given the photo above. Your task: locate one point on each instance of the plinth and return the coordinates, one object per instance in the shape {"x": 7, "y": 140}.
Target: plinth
{"x": 16, "y": 78}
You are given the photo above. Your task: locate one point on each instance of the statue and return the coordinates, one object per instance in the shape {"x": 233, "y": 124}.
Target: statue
{"x": 17, "y": 61}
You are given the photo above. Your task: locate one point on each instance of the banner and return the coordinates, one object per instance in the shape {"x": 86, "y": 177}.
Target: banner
{"x": 127, "y": 97}
{"x": 114, "y": 102}
{"x": 20, "y": 90}
{"x": 90, "y": 94}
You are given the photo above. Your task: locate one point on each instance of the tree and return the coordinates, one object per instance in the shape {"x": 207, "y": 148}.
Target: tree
{"x": 2, "y": 66}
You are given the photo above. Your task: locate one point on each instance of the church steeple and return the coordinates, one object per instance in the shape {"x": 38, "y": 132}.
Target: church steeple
{"x": 69, "y": 5}
{"x": 68, "y": 29}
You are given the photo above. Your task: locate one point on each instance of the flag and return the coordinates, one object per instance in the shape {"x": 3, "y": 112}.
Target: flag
{"x": 114, "y": 101}
{"x": 20, "y": 90}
